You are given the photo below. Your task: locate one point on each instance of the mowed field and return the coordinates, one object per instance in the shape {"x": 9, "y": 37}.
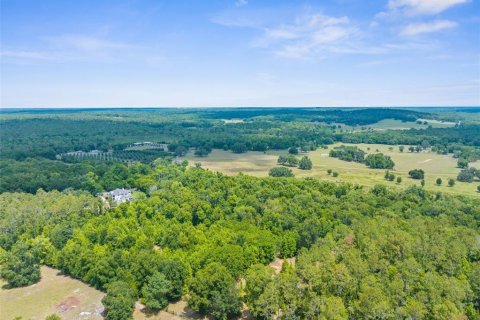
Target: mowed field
{"x": 435, "y": 166}
{"x": 72, "y": 299}
{"x": 392, "y": 124}
{"x": 54, "y": 294}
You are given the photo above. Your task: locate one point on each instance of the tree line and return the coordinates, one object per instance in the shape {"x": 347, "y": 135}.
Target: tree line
{"x": 355, "y": 154}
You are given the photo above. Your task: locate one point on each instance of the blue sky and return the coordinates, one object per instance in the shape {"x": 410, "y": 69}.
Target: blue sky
{"x": 94, "y": 53}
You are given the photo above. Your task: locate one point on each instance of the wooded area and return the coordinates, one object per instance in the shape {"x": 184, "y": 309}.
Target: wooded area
{"x": 208, "y": 238}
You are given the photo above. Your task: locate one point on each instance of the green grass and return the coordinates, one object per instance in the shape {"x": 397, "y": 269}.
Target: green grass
{"x": 53, "y": 294}
{"x": 399, "y": 125}
{"x": 392, "y": 124}
{"x": 71, "y": 299}
{"x": 435, "y": 165}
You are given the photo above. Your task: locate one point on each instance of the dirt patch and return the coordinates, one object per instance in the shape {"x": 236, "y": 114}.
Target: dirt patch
{"x": 277, "y": 264}
{"x": 68, "y": 303}
{"x": 425, "y": 161}
{"x": 175, "y": 311}
{"x": 349, "y": 240}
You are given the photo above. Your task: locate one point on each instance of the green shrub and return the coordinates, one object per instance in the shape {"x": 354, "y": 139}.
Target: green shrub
{"x": 305, "y": 163}
{"x": 280, "y": 172}
{"x": 416, "y": 174}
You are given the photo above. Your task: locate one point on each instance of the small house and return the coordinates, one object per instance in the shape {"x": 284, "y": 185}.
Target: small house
{"x": 121, "y": 195}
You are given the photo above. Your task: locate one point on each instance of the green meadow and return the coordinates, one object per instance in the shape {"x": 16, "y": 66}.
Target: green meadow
{"x": 71, "y": 299}
{"x": 54, "y": 294}
{"x": 392, "y": 124}
{"x": 435, "y": 166}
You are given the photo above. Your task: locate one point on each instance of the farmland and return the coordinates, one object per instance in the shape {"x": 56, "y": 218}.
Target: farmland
{"x": 435, "y": 165}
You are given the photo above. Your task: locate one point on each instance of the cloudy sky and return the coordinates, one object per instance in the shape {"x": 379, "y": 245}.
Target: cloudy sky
{"x": 99, "y": 53}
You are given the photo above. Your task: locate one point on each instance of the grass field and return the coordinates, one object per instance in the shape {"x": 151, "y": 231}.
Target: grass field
{"x": 435, "y": 165}
{"x": 399, "y": 125}
{"x": 70, "y": 299}
{"x": 73, "y": 300}
{"x": 392, "y": 124}
{"x": 54, "y": 294}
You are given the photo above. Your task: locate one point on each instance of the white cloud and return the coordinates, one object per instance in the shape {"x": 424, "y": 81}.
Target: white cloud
{"x": 307, "y": 36}
{"x": 241, "y": 3}
{"x": 418, "y": 7}
{"x": 86, "y": 42}
{"x": 76, "y": 47}
{"x": 414, "y": 29}
{"x": 280, "y": 34}
{"x": 24, "y": 54}
{"x": 297, "y": 51}
{"x": 316, "y": 36}
{"x": 240, "y": 21}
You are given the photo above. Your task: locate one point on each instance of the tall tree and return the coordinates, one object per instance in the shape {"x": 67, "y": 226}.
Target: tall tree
{"x": 155, "y": 291}
{"x": 119, "y": 301}
{"x": 22, "y": 266}
{"x": 212, "y": 291}
{"x": 305, "y": 163}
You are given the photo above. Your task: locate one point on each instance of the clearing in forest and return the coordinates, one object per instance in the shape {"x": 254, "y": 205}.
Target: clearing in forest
{"x": 72, "y": 299}
{"x": 53, "y": 294}
{"x": 259, "y": 163}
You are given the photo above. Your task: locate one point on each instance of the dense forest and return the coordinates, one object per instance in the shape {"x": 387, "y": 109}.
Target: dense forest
{"x": 36, "y": 173}
{"x": 360, "y": 254}
{"x": 47, "y": 135}
{"x": 345, "y": 116}
{"x": 348, "y": 252}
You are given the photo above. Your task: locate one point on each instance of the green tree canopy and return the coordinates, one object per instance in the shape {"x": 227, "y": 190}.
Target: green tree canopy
{"x": 305, "y": 163}
{"x": 22, "y": 266}
{"x": 212, "y": 291}
{"x": 155, "y": 291}
{"x": 239, "y": 148}
{"x": 418, "y": 174}
{"x": 280, "y": 172}
{"x": 119, "y": 301}
{"x": 379, "y": 161}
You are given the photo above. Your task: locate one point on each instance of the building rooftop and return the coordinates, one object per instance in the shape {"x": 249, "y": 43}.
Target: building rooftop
{"x": 119, "y": 192}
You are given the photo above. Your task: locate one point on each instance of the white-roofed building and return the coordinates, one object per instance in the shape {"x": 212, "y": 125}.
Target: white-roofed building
{"x": 121, "y": 195}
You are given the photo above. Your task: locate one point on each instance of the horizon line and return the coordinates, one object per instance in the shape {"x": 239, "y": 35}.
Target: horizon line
{"x": 238, "y": 107}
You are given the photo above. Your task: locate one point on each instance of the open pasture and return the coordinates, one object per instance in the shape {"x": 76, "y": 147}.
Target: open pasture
{"x": 392, "y": 124}
{"x": 72, "y": 299}
{"x": 259, "y": 163}
{"x": 53, "y": 294}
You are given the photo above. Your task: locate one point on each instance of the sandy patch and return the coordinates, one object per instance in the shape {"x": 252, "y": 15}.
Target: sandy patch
{"x": 277, "y": 264}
